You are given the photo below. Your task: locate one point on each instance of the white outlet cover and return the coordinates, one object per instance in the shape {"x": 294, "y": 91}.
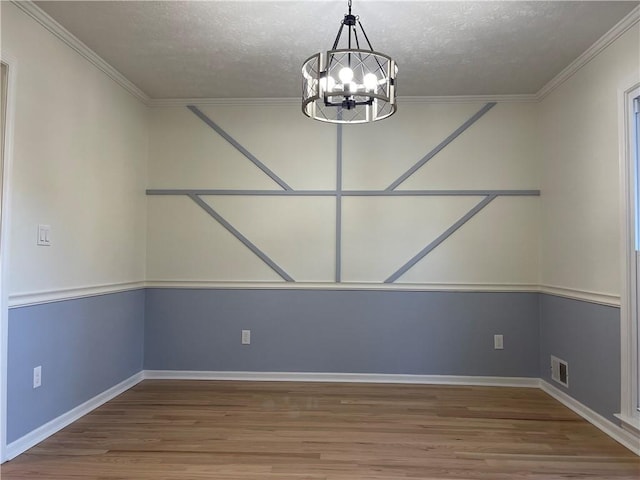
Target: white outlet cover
{"x": 498, "y": 342}
{"x": 246, "y": 337}
{"x": 37, "y": 376}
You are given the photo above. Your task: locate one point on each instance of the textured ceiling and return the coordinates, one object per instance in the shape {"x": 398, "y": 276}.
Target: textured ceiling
{"x": 236, "y": 49}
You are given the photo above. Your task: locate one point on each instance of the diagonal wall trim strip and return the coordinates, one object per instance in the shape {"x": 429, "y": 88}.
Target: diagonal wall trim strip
{"x": 425, "y": 251}
{"x": 238, "y": 147}
{"x": 442, "y": 145}
{"x": 247, "y": 243}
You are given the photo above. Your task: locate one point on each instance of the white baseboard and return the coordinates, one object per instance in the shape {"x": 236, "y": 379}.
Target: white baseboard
{"x": 342, "y": 378}
{"x": 39, "y": 434}
{"x": 616, "y": 432}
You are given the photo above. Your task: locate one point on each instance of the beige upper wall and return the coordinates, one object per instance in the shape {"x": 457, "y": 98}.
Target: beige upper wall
{"x": 580, "y": 183}
{"x": 379, "y": 234}
{"x": 79, "y": 165}
{"x": 81, "y": 146}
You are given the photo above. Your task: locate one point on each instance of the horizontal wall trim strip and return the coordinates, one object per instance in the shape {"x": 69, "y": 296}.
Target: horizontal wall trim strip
{"x": 36, "y": 298}
{"x": 345, "y": 193}
{"x": 77, "y": 45}
{"x": 620, "y": 435}
{"x": 48, "y": 296}
{"x": 295, "y": 101}
{"x": 39, "y": 434}
{"x": 584, "y": 295}
{"x": 342, "y": 378}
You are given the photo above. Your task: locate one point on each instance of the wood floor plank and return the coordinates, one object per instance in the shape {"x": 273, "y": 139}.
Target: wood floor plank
{"x": 319, "y": 431}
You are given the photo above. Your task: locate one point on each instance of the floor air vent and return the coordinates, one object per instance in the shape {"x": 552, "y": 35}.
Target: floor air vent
{"x": 559, "y": 371}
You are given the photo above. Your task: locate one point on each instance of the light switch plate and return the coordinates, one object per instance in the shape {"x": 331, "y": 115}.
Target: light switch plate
{"x": 44, "y": 235}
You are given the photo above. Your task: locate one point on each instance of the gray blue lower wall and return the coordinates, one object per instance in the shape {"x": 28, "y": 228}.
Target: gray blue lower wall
{"x": 587, "y": 336}
{"x": 88, "y": 345}
{"x": 84, "y": 346}
{"x": 393, "y": 332}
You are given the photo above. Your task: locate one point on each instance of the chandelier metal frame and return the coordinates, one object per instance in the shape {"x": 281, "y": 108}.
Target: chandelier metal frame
{"x": 349, "y": 85}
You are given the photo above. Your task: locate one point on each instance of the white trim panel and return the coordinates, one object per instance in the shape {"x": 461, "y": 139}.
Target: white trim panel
{"x": 41, "y": 433}
{"x": 37, "y": 298}
{"x": 620, "y": 435}
{"x": 342, "y": 378}
{"x": 428, "y": 287}
{"x": 629, "y": 309}
{"x": 608, "y": 299}
{"x": 73, "y": 42}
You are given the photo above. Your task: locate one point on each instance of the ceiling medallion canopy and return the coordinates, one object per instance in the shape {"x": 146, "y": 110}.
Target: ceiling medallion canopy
{"x": 349, "y": 84}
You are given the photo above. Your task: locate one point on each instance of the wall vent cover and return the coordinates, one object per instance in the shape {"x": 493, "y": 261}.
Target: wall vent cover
{"x": 559, "y": 371}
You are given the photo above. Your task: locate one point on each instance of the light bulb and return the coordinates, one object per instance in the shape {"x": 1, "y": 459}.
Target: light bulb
{"x": 345, "y": 75}
{"x": 370, "y": 81}
{"x": 327, "y": 84}
{"x": 353, "y": 86}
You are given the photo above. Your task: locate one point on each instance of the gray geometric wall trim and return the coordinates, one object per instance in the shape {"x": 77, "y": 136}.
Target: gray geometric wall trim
{"x": 339, "y": 193}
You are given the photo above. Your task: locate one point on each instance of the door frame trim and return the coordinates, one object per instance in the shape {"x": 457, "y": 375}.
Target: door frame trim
{"x": 4, "y": 241}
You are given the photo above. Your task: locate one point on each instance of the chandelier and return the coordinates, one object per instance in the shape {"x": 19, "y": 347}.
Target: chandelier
{"x": 352, "y": 84}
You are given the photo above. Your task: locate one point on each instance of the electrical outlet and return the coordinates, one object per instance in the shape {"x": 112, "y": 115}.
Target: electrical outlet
{"x": 498, "y": 342}
{"x": 37, "y": 376}
{"x": 246, "y": 337}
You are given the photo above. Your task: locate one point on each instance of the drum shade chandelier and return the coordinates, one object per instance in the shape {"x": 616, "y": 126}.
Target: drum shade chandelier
{"x": 349, "y": 85}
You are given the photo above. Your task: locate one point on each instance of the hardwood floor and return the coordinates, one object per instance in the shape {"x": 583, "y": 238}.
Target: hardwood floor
{"x": 320, "y": 431}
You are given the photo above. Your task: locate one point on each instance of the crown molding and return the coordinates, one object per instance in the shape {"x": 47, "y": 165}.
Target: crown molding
{"x": 603, "y": 42}
{"x": 72, "y": 41}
